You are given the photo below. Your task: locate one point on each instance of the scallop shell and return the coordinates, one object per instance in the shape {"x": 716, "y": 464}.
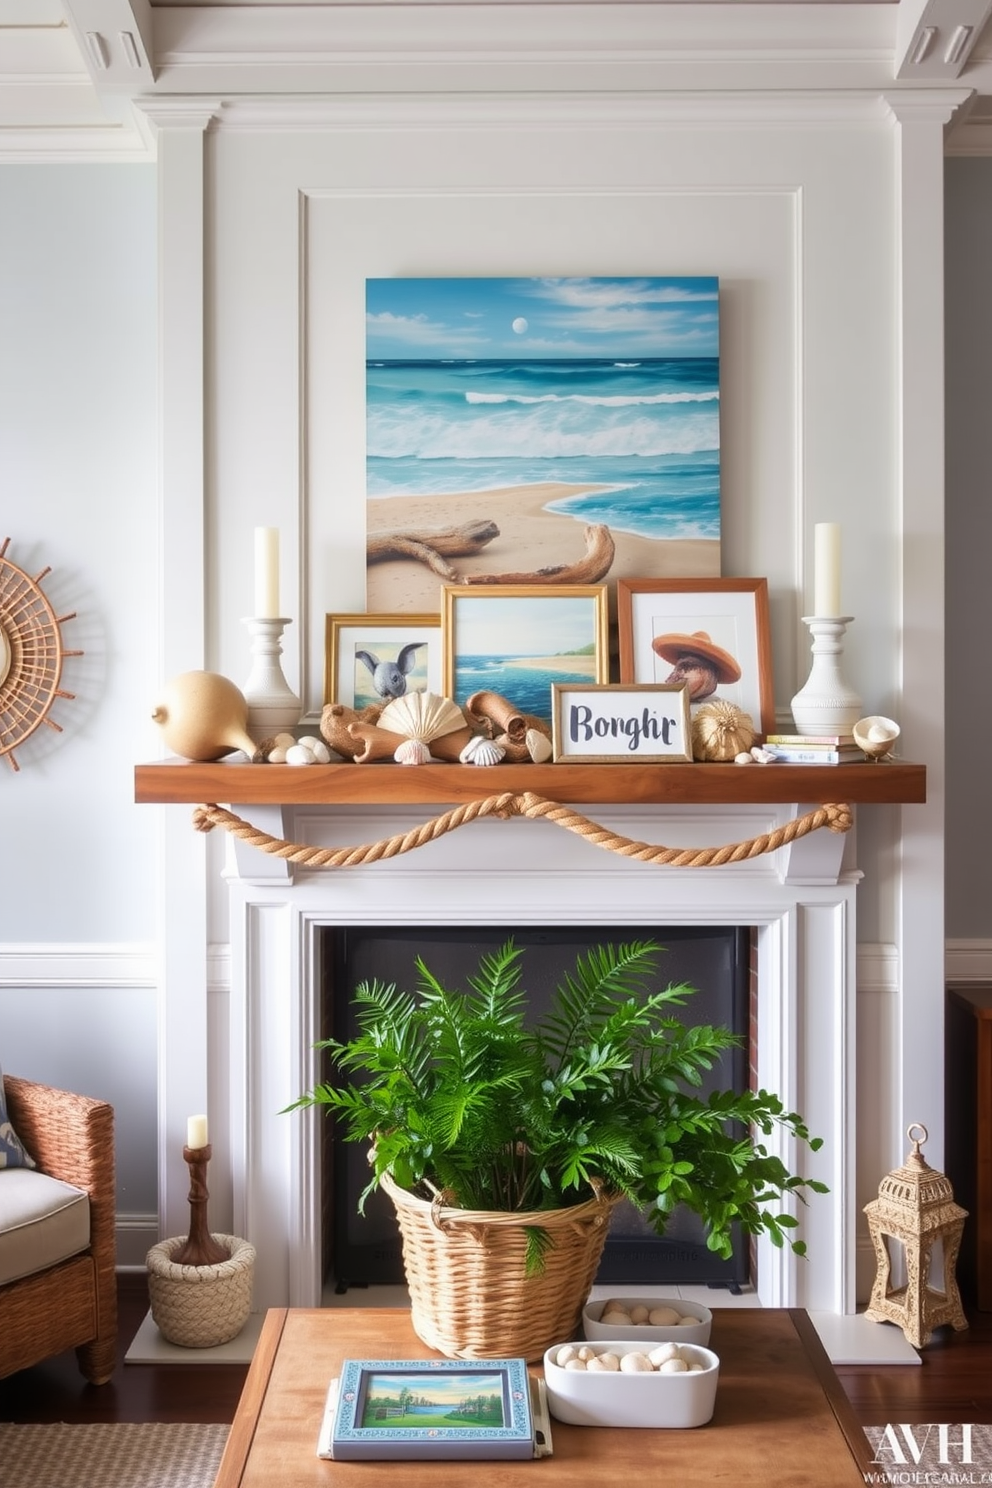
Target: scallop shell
{"x": 412, "y": 752}
{"x": 421, "y": 715}
{"x": 876, "y": 736}
{"x": 482, "y": 751}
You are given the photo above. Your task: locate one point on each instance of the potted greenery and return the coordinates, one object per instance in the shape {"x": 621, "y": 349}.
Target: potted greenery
{"x": 504, "y": 1145}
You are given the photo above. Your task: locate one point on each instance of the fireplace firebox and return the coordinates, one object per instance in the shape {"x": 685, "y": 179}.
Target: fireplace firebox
{"x": 363, "y": 1250}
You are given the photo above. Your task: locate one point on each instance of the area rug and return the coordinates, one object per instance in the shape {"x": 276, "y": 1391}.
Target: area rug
{"x": 932, "y": 1453}
{"x": 111, "y": 1455}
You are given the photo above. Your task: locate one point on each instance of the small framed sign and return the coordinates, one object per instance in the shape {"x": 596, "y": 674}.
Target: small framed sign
{"x": 618, "y": 722}
{"x": 437, "y": 1408}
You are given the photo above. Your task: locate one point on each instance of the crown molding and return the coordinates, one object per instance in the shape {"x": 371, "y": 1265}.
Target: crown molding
{"x": 621, "y": 110}
{"x": 342, "y": 48}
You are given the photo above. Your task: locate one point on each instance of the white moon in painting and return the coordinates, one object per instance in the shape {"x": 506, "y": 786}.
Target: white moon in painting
{"x": 519, "y": 325}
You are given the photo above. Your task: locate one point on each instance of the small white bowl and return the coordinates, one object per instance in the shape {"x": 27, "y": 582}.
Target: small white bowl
{"x": 698, "y": 1331}
{"x": 600, "y": 1398}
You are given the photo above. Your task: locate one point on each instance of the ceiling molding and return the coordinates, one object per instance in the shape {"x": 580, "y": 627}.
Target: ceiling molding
{"x": 83, "y": 79}
{"x": 622, "y": 110}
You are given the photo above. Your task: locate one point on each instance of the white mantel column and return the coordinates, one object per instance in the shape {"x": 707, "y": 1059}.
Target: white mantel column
{"x": 920, "y": 120}
{"x": 182, "y": 1015}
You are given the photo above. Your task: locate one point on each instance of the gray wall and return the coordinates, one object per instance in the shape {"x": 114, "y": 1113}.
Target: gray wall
{"x": 968, "y": 219}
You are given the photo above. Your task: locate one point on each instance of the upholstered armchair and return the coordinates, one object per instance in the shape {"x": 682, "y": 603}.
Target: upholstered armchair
{"x": 71, "y": 1302}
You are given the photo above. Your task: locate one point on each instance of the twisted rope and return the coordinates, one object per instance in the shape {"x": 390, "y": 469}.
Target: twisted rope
{"x": 835, "y": 818}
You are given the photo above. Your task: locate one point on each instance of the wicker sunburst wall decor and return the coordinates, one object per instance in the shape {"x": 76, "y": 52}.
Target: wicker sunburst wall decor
{"x": 31, "y": 655}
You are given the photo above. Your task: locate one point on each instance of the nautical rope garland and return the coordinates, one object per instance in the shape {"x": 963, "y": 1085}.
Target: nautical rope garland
{"x": 837, "y": 818}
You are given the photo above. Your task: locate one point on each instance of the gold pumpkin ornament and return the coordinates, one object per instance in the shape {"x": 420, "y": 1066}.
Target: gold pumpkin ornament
{"x": 721, "y": 731}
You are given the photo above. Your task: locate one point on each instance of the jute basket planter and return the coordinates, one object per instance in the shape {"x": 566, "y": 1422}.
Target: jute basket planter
{"x": 469, "y": 1293}
{"x": 200, "y": 1306}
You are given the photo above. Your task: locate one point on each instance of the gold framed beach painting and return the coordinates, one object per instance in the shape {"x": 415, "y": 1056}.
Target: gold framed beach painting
{"x": 518, "y": 640}
{"x": 539, "y": 431}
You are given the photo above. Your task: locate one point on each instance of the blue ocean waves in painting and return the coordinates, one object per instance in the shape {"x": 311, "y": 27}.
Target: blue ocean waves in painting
{"x": 646, "y": 433}
{"x": 529, "y": 688}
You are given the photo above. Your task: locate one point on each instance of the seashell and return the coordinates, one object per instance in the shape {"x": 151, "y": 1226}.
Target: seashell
{"x": 744, "y": 758}
{"x": 762, "y": 756}
{"x": 412, "y": 752}
{"x": 538, "y": 746}
{"x": 481, "y": 751}
{"x": 276, "y": 755}
{"x": 876, "y": 736}
{"x": 720, "y": 731}
{"x": 421, "y": 715}
{"x": 499, "y": 711}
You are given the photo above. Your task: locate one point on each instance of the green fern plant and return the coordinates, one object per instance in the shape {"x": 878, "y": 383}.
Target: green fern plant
{"x": 454, "y": 1091}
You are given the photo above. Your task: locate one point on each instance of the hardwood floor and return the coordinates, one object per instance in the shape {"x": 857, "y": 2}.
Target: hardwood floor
{"x": 953, "y": 1383}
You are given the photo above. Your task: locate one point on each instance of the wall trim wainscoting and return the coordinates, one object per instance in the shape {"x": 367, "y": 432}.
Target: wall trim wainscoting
{"x": 968, "y": 960}
{"x": 103, "y": 979}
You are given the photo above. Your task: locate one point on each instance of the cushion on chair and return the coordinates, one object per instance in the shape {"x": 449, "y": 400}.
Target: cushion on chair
{"x": 13, "y": 1153}
{"x": 42, "y": 1221}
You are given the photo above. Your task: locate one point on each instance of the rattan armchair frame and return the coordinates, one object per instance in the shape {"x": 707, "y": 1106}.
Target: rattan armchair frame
{"x": 73, "y": 1304}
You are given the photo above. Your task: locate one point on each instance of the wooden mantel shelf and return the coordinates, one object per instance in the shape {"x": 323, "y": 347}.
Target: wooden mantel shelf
{"x": 180, "y": 782}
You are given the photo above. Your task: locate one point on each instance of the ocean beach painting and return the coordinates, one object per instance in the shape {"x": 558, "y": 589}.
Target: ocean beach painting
{"x": 518, "y": 640}
{"x": 539, "y": 431}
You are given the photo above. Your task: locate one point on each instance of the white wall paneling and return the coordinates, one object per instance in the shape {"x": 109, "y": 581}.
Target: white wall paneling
{"x": 184, "y": 523}
{"x": 83, "y": 1017}
{"x": 796, "y": 203}
{"x": 919, "y": 641}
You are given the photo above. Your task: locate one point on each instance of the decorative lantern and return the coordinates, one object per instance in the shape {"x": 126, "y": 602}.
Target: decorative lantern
{"x": 915, "y": 1205}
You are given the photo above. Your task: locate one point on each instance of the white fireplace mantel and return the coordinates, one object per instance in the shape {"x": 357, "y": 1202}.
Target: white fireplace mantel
{"x": 800, "y": 899}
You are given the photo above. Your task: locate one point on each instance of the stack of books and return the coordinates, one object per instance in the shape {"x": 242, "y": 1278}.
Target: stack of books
{"x": 813, "y": 749}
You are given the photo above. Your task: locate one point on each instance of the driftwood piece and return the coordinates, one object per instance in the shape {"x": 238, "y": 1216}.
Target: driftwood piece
{"x": 432, "y": 545}
{"x": 600, "y": 552}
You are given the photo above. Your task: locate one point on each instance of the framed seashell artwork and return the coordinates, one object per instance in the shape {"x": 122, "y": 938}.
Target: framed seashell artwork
{"x": 372, "y": 659}
{"x": 712, "y": 635}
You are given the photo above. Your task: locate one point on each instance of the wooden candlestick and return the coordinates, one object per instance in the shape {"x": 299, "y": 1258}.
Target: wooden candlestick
{"x": 201, "y": 1249}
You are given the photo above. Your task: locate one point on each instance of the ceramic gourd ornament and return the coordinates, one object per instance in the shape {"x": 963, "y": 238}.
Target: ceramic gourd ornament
{"x": 203, "y": 716}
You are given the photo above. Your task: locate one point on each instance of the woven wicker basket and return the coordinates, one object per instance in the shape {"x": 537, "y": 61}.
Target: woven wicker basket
{"x": 200, "y": 1306}
{"x": 469, "y": 1294}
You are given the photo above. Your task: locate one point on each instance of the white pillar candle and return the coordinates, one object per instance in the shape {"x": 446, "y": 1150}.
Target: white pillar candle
{"x": 266, "y": 573}
{"x": 196, "y": 1131}
{"x": 826, "y": 569}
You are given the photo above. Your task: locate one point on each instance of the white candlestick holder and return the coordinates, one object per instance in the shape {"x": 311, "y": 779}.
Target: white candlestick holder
{"x": 272, "y": 704}
{"x": 826, "y": 705}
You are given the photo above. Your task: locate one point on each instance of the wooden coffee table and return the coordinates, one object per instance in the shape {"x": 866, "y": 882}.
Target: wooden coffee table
{"x": 781, "y": 1416}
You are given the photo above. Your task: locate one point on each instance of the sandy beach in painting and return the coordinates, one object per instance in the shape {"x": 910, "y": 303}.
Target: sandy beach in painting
{"x": 530, "y": 538}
